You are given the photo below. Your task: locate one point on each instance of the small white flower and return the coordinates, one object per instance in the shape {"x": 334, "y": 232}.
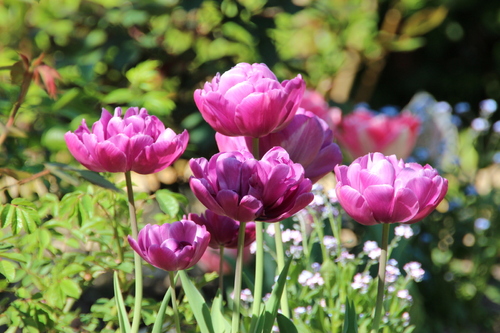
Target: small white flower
{"x": 253, "y": 248}
{"x": 330, "y": 243}
{"x": 344, "y": 257}
{"x": 414, "y": 270}
{"x": 404, "y": 294}
{"x": 270, "y": 230}
{"x": 362, "y": 282}
{"x": 371, "y": 248}
{"x": 403, "y": 231}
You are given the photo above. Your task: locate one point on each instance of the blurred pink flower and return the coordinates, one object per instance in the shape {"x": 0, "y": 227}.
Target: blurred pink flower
{"x": 236, "y": 185}
{"x": 224, "y": 230}
{"x": 210, "y": 260}
{"x": 307, "y": 139}
{"x": 363, "y": 132}
{"x": 314, "y": 102}
{"x": 380, "y": 189}
{"x": 137, "y": 142}
{"x": 171, "y": 247}
{"x": 248, "y": 100}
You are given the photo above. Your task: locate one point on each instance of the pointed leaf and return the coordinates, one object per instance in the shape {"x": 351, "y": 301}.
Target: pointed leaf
{"x": 273, "y": 303}
{"x": 158, "y": 325}
{"x": 167, "y": 202}
{"x": 197, "y": 303}
{"x": 350, "y": 320}
{"x": 120, "y": 305}
{"x": 8, "y": 270}
{"x": 219, "y": 321}
{"x": 286, "y": 325}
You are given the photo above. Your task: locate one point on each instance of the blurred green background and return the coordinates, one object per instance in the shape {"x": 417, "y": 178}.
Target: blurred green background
{"x": 155, "y": 53}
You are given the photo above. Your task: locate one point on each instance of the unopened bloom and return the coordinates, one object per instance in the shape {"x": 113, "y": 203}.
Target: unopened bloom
{"x": 135, "y": 142}
{"x": 307, "y": 139}
{"x": 224, "y": 230}
{"x": 171, "y": 247}
{"x": 414, "y": 270}
{"x": 363, "y": 132}
{"x": 248, "y": 100}
{"x": 236, "y": 185}
{"x": 380, "y": 189}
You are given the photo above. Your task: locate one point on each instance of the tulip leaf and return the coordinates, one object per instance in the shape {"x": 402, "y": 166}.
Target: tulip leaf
{"x": 122, "y": 312}
{"x": 158, "y": 325}
{"x": 197, "y": 303}
{"x": 273, "y": 302}
{"x": 350, "y": 322}
{"x": 220, "y": 323}
{"x": 286, "y": 325}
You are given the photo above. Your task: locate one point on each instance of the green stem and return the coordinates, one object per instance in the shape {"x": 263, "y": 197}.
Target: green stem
{"x": 381, "y": 277}
{"x": 137, "y": 259}
{"x": 237, "y": 280}
{"x": 280, "y": 254}
{"x": 221, "y": 269}
{"x": 259, "y": 269}
{"x": 171, "y": 276}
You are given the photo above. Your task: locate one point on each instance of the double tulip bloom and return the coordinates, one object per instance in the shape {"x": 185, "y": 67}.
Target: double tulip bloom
{"x": 237, "y": 185}
{"x": 135, "y": 142}
{"x": 248, "y": 100}
{"x": 363, "y": 132}
{"x": 171, "y": 247}
{"x": 307, "y": 139}
{"x": 379, "y": 189}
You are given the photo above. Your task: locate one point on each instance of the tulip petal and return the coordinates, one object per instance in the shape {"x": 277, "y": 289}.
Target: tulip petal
{"x": 380, "y": 200}
{"x": 406, "y": 206}
{"x": 355, "y": 205}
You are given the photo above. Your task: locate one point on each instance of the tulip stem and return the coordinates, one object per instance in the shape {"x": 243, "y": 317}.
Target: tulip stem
{"x": 221, "y": 269}
{"x": 381, "y": 277}
{"x": 280, "y": 256}
{"x": 238, "y": 279}
{"x": 171, "y": 276}
{"x": 137, "y": 259}
{"x": 259, "y": 269}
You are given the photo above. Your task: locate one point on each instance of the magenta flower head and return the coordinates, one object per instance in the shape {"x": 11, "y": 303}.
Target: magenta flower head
{"x": 171, "y": 247}
{"x": 137, "y": 142}
{"x": 236, "y": 185}
{"x": 307, "y": 139}
{"x": 382, "y": 189}
{"x": 248, "y": 100}
{"x": 224, "y": 230}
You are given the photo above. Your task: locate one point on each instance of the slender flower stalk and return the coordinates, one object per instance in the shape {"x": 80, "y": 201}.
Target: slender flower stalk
{"x": 238, "y": 279}
{"x": 381, "y": 278}
{"x": 280, "y": 255}
{"x": 221, "y": 268}
{"x": 259, "y": 269}
{"x": 137, "y": 258}
{"x": 171, "y": 276}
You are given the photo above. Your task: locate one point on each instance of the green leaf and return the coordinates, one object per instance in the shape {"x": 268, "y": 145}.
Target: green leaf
{"x": 59, "y": 170}
{"x": 71, "y": 288}
{"x": 8, "y": 270}
{"x": 72, "y": 269}
{"x": 158, "y": 325}
{"x": 220, "y": 323}
{"x": 122, "y": 312}
{"x": 273, "y": 303}
{"x": 167, "y": 202}
{"x": 286, "y": 325}
{"x": 424, "y": 21}
{"x": 197, "y": 303}
{"x": 20, "y": 214}
{"x": 350, "y": 320}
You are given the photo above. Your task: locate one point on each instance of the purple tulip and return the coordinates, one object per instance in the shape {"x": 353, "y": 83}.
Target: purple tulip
{"x": 224, "y": 230}
{"x": 171, "y": 247}
{"x": 137, "y": 142}
{"x": 248, "y": 100}
{"x": 307, "y": 139}
{"x": 236, "y": 185}
{"x": 382, "y": 189}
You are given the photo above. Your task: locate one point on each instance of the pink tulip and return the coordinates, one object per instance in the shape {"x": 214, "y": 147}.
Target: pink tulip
{"x": 307, "y": 139}
{"x": 248, "y": 100}
{"x": 236, "y": 185}
{"x": 224, "y": 230}
{"x": 314, "y": 102}
{"x": 171, "y": 247}
{"x": 380, "y": 189}
{"x": 137, "y": 142}
{"x": 363, "y": 132}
